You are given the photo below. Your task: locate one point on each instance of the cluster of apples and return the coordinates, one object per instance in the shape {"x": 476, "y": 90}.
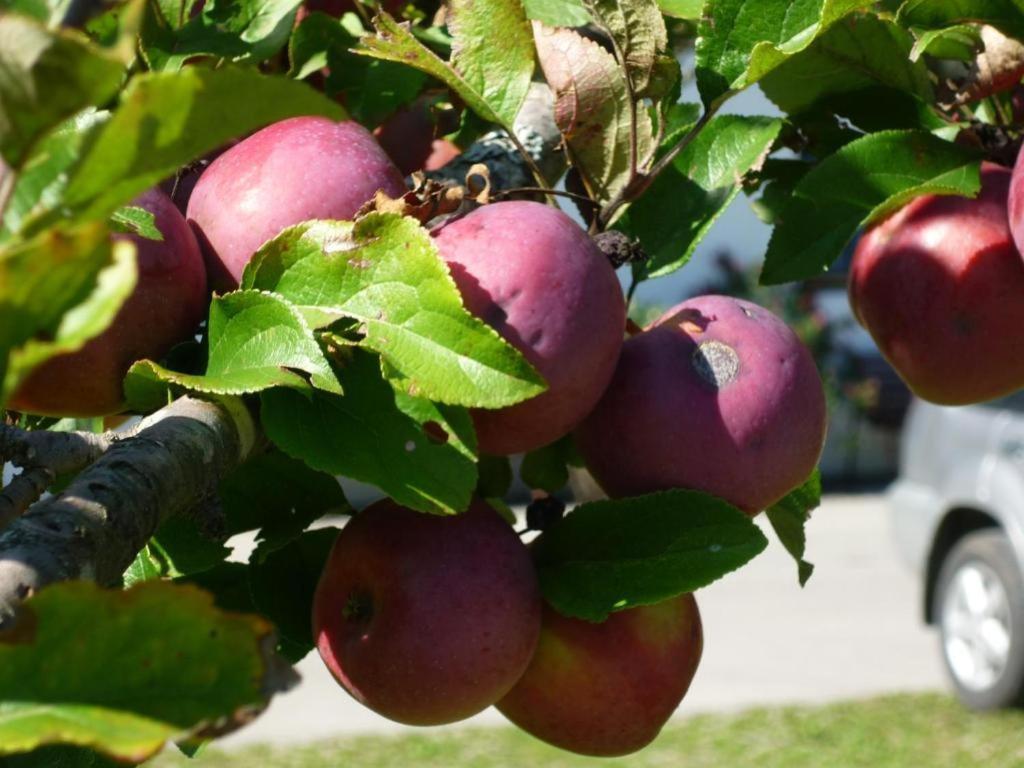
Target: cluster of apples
{"x": 939, "y": 285}
{"x": 429, "y": 619}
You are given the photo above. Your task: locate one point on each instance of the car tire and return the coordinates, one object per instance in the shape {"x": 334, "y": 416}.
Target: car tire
{"x": 979, "y": 609}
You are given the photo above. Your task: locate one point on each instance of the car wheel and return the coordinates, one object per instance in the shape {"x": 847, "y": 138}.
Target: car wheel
{"x": 980, "y": 612}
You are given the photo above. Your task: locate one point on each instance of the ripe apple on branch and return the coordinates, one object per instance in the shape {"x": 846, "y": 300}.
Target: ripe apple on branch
{"x": 310, "y": 310}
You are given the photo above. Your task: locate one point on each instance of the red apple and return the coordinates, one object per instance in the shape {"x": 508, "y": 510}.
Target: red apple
{"x": 165, "y": 308}
{"x": 427, "y": 619}
{"x": 408, "y": 138}
{"x": 289, "y": 172}
{"x": 607, "y": 689}
{"x": 718, "y": 395}
{"x": 536, "y": 277}
{"x": 940, "y": 287}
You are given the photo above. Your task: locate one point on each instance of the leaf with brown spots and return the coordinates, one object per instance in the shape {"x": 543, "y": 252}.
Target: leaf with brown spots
{"x": 182, "y": 668}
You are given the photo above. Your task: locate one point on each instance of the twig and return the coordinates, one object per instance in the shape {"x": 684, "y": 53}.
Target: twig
{"x": 633, "y": 191}
{"x": 542, "y": 191}
{"x": 22, "y": 492}
{"x": 60, "y": 452}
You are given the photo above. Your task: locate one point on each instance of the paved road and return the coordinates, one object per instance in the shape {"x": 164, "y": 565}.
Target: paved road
{"x": 852, "y": 632}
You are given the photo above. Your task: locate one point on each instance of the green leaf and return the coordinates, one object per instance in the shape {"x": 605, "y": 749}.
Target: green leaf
{"x": 858, "y": 52}
{"x": 46, "y": 76}
{"x": 557, "y": 13}
{"x": 547, "y": 468}
{"x": 492, "y": 49}
{"x": 741, "y": 41}
{"x": 228, "y": 585}
{"x": 39, "y": 185}
{"x": 788, "y": 518}
{"x": 697, "y": 188}
{"x": 611, "y": 555}
{"x": 58, "y": 291}
{"x": 682, "y": 9}
{"x": 592, "y": 109}
{"x": 181, "y": 666}
{"x": 130, "y": 219}
{"x": 166, "y": 120}
{"x": 377, "y": 435}
{"x": 861, "y": 182}
{"x": 960, "y": 42}
{"x": 146, "y": 566}
{"x": 384, "y": 271}
{"x": 185, "y": 549}
{"x": 280, "y": 496}
{"x": 1005, "y": 15}
{"x": 238, "y": 30}
{"x": 257, "y": 340}
{"x": 283, "y": 585}
{"x": 372, "y": 89}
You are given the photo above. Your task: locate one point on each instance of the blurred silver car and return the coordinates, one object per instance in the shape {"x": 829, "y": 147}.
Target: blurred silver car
{"x": 958, "y": 518}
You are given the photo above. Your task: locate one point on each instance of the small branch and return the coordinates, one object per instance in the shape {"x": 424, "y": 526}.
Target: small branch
{"x": 22, "y": 492}
{"x": 61, "y": 452}
{"x": 542, "y": 191}
{"x": 7, "y": 180}
{"x": 94, "y": 529}
{"x": 633, "y": 191}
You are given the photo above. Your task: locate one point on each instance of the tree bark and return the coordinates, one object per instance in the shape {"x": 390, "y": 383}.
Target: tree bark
{"x": 96, "y": 527}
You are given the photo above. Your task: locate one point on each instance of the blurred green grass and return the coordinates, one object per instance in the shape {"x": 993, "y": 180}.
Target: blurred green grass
{"x": 904, "y": 731}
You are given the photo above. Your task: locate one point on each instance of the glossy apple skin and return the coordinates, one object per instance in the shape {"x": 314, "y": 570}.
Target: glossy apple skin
{"x": 292, "y": 171}
{"x": 607, "y": 689}
{"x": 663, "y": 423}
{"x": 939, "y": 285}
{"x": 531, "y": 273}
{"x": 448, "y": 612}
{"x": 169, "y": 301}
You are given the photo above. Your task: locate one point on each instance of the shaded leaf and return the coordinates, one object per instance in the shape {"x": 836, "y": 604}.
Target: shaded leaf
{"x": 421, "y": 454}
{"x": 861, "y": 182}
{"x": 1005, "y": 15}
{"x": 547, "y": 468}
{"x": 495, "y": 476}
{"x": 182, "y": 665}
{"x": 239, "y": 30}
{"x": 280, "y": 496}
{"x": 611, "y": 555}
{"x": 372, "y": 89}
{"x": 284, "y": 583}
